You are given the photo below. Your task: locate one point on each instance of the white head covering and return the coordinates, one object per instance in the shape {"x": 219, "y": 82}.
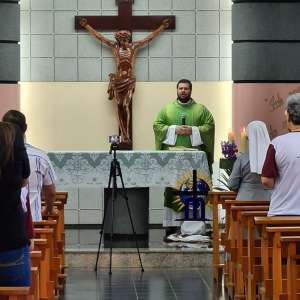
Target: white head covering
{"x": 259, "y": 141}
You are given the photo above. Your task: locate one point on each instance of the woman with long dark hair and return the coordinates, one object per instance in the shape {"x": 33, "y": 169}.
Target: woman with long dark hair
{"x": 14, "y": 171}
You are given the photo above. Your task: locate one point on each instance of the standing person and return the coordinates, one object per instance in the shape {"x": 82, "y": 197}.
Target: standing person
{"x": 282, "y": 164}
{"x": 183, "y": 123}
{"x": 122, "y": 82}
{"x": 42, "y": 178}
{"x": 14, "y": 242}
{"x": 245, "y": 175}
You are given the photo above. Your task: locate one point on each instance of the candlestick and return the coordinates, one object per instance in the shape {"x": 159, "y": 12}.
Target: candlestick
{"x": 243, "y": 140}
{"x": 231, "y": 137}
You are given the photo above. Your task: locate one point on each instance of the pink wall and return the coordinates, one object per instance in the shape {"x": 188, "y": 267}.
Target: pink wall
{"x": 9, "y": 97}
{"x": 261, "y": 101}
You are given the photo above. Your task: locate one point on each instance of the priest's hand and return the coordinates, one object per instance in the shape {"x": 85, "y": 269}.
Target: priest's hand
{"x": 183, "y": 130}
{"x": 187, "y": 129}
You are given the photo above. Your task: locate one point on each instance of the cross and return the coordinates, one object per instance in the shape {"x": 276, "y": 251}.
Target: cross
{"x": 194, "y": 196}
{"x": 125, "y": 20}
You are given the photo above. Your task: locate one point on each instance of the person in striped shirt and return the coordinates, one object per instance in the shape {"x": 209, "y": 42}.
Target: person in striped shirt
{"x": 42, "y": 178}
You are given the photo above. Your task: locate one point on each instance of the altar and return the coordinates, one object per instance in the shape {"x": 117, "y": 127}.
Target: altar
{"x": 139, "y": 168}
{"x": 85, "y": 176}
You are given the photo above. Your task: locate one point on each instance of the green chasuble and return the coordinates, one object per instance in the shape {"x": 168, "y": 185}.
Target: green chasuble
{"x": 197, "y": 115}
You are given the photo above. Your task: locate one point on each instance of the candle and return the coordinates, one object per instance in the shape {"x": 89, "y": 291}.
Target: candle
{"x": 243, "y": 140}
{"x": 231, "y": 137}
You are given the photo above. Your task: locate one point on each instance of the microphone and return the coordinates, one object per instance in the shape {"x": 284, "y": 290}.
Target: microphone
{"x": 183, "y": 119}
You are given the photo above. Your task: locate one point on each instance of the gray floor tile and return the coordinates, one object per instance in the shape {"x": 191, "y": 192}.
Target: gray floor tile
{"x": 154, "y": 284}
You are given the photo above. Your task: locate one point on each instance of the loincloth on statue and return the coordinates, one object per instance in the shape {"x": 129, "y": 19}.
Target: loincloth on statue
{"x": 119, "y": 85}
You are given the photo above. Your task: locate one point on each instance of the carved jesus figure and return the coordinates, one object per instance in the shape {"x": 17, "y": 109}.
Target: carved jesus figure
{"x": 122, "y": 82}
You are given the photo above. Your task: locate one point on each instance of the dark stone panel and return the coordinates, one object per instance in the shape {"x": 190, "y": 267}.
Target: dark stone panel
{"x": 139, "y": 211}
{"x": 9, "y": 62}
{"x": 265, "y": 21}
{"x": 265, "y": 62}
{"x": 9, "y": 22}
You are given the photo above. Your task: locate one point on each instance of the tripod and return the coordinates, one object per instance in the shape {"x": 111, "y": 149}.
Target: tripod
{"x": 115, "y": 170}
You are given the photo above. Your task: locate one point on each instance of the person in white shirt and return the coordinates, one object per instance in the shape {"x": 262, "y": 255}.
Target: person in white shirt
{"x": 42, "y": 177}
{"x": 282, "y": 164}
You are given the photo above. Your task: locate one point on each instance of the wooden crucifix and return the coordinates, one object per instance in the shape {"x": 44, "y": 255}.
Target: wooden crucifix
{"x": 122, "y": 82}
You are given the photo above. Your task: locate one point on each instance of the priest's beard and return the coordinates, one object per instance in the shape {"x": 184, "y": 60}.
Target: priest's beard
{"x": 184, "y": 98}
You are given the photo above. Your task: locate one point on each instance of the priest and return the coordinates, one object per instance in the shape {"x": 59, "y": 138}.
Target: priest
{"x": 183, "y": 123}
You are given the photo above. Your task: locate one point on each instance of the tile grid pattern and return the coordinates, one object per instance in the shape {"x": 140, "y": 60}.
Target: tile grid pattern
{"x": 85, "y": 205}
{"x": 175, "y": 284}
{"x": 51, "y": 50}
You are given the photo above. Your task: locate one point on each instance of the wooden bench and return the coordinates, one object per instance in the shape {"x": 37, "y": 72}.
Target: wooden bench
{"x": 292, "y": 268}
{"x": 23, "y": 293}
{"x": 262, "y": 223}
{"x": 277, "y": 254}
{"x": 34, "y": 293}
{"x": 59, "y": 239}
{"x": 227, "y": 206}
{"x": 225, "y": 240}
{"x": 60, "y": 202}
{"x": 216, "y": 199}
{"x": 235, "y": 248}
{"x": 250, "y": 267}
{"x": 47, "y": 284}
{"x": 14, "y": 293}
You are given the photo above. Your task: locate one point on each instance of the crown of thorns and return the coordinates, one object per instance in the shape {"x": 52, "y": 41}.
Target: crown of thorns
{"x": 122, "y": 34}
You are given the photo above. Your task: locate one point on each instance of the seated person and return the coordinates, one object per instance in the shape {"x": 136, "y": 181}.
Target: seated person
{"x": 245, "y": 176}
{"x": 14, "y": 173}
{"x": 282, "y": 164}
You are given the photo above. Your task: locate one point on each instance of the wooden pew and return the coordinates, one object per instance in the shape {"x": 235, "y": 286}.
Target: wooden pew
{"x": 227, "y": 206}
{"x": 225, "y": 241}
{"x": 217, "y": 198}
{"x": 34, "y": 293}
{"x": 35, "y": 258}
{"x": 62, "y": 196}
{"x": 23, "y": 293}
{"x": 251, "y": 270}
{"x": 59, "y": 252}
{"x": 60, "y": 202}
{"x": 59, "y": 241}
{"x": 262, "y": 223}
{"x": 276, "y": 234}
{"x": 235, "y": 248}
{"x": 47, "y": 284}
{"x": 292, "y": 275}
{"x": 14, "y": 293}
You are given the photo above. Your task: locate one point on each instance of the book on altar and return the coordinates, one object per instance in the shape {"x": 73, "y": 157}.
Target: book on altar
{"x": 182, "y": 149}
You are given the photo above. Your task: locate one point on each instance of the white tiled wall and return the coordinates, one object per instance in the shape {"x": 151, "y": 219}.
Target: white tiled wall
{"x": 199, "y": 48}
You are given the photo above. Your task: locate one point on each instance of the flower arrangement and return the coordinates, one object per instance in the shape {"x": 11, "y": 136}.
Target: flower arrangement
{"x": 229, "y": 149}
